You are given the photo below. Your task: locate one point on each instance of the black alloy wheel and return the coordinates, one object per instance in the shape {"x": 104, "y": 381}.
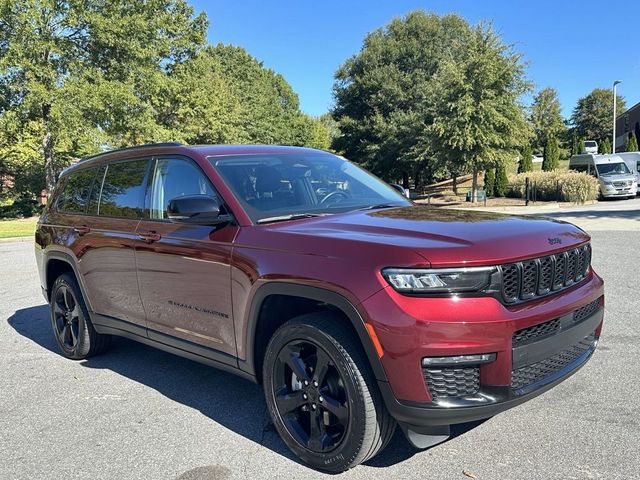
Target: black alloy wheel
{"x": 66, "y": 318}
{"x": 310, "y": 396}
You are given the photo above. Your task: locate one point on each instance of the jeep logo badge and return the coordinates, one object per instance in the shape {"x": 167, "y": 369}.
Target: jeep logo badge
{"x": 554, "y": 241}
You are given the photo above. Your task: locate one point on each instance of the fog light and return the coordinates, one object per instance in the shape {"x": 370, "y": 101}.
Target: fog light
{"x": 459, "y": 360}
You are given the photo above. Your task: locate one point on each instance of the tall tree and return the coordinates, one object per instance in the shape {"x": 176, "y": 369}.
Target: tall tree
{"x": 593, "y": 115}
{"x": 477, "y": 116}
{"x": 489, "y": 181}
{"x": 605, "y": 146}
{"x": 546, "y": 116}
{"x": 81, "y": 74}
{"x": 502, "y": 181}
{"x": 381, "y": 99}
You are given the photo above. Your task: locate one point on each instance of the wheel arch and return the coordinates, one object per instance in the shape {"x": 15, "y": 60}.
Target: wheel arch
{"x": 326, "y": 299}
{"x": 56, "y": 263}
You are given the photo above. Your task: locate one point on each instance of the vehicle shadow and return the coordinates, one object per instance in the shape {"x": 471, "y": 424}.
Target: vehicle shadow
{"x": 228, "y": 400}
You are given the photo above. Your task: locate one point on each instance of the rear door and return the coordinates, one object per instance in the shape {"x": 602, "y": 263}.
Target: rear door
{"x": 184, "y": 270}
{"x": 107, "y": 260}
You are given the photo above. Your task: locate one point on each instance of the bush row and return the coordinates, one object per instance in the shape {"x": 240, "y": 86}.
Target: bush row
{"x": 573, "y": 186}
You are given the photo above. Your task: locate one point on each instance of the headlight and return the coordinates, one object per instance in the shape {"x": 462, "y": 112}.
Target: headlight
{"x": 439, "y": 280}
{"x": 607, "y": 183}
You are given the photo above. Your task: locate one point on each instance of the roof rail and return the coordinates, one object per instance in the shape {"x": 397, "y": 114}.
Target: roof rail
{"x": 134, "y": 147}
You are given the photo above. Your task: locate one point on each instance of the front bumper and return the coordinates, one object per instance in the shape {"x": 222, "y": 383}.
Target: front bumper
{"x": 523, "y": 369}
{"x": 490, "y": 400}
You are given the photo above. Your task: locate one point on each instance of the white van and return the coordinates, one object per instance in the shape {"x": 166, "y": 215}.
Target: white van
{"x": 590, "y": 146}
{"x": 613, "y": 174}
{"x": 632, "y": 159}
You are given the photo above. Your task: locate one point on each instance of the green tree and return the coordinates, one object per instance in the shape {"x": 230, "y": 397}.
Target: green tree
{"x": 502, "y": 182}
{"x": 605, "y": 146}
{"x": 490, "y": 181}
{"x": 381, "y": 95}
{"x": 551, "y": 159}
{"x": 526, "y": 162}
{"x": 85, "y": 74}
{"x": 593, "y": 115}
{"x": 477, "y": 117}
{"x": 631, "y": 145}
{"x": 576, "y": 144}
{"x": 546, "y": 117}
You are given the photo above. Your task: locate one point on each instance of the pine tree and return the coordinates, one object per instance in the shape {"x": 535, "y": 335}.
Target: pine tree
{"x": 605, "y": 146}
{"x": 490, "y": 181}
{"x": 631, "y": 144}
{"x": 551, "y": 155}
{"x": 526, "y": 162}
{"x": 502, "y": 182}
{"x": 576, "y": 145}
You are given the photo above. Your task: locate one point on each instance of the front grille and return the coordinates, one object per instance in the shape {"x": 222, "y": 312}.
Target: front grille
{"x": 623, "y": 183}
{"x": 537, "y": 277}
{"x": 535, "y": 372}
{"x": 531, "y": 334}
{"x": 586, "y": 311}
{"x": 452, "y": 382}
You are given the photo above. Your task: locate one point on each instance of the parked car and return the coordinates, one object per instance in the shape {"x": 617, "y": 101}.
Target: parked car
{"x": 291, "y": 267}
{"x": 614, "y": 177}
{"x": 590, "y": 147}
{"x": 632, "y": 159}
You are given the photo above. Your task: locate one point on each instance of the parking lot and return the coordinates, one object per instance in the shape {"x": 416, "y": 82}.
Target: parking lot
{"x": 136, "y": 412}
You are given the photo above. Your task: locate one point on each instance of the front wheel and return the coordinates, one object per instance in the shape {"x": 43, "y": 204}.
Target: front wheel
{"x": 321, "y": 394}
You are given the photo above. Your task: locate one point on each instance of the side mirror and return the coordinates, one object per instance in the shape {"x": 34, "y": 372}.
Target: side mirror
{"x": 403, "y": 191}
{"x": 196, "y": 210}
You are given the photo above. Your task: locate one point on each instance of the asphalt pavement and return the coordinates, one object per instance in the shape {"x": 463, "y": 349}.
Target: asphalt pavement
{"x": 136, "y": 412}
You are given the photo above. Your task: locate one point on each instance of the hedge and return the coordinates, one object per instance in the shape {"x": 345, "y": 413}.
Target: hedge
{"x": 574, "y": 187}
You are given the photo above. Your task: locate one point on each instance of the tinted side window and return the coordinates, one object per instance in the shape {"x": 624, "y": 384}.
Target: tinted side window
{"x": 123, "y": 190}
{"x": 173, "y": 178}
{"x": 580, "y": 168}
{"x": 75, "y": 192}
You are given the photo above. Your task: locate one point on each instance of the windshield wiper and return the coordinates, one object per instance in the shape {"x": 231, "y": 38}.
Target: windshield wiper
{"x": 292, "y": 216}
{"x": 380, "y": 205}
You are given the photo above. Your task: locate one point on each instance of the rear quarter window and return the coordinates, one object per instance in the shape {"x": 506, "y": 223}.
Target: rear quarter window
{"x": 75, "y": 191}
{"x": 123, "y": 189}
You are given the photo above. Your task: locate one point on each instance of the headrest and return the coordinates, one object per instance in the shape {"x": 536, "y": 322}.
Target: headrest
{"x": 268, "y": 179}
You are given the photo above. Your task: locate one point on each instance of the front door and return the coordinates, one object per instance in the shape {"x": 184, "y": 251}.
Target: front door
{"x": 184, "y": 270}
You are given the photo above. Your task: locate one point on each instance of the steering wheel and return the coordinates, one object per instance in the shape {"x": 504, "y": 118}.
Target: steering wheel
{"x": 335, "y": 195}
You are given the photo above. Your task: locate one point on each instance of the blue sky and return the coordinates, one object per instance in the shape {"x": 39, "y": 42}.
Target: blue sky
{"x": 571, "y": 46}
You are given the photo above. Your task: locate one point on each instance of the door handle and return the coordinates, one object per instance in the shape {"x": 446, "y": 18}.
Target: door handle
{"x": 149, "y": 237}
{"x": 82, "y": 230}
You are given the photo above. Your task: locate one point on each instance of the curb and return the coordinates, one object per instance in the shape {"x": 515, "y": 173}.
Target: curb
{"x": 30, "y": 238}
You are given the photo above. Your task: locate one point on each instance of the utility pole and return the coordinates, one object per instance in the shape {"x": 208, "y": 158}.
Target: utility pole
{"x": 613, "y": 147}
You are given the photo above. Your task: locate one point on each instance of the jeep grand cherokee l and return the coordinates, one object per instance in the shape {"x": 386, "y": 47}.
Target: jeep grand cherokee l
{"x": 356, "y": 310}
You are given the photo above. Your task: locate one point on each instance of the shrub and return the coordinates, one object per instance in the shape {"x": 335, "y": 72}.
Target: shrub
{"x": 632, "y": 144}
{"x": 526, "y": 162}
{"x": 605, "y": 146}
{"x": 574, "y": 187}
{"x": 489, "y": 182}
{"x": 21, "y": 208}
{"x": 502, "y": 181}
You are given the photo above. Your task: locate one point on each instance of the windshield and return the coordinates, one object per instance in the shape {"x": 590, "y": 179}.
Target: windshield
{"x": 276, "y": 185}
{"x": 612, "y": 168}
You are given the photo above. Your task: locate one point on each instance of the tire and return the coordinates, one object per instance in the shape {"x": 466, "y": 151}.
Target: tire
{"x": 72, "y": 327}
{"x": 351, "y": 422}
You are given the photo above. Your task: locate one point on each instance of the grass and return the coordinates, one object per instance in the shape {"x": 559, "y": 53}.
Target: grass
{"x": 23, "y": 227}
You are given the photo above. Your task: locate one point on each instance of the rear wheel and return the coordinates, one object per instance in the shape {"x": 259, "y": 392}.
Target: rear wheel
{"x": 322, "y": 396}
{"x": 72, "y": 327}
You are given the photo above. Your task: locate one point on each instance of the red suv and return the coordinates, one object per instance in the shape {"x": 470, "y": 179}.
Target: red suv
{"x": 292, "y": 267}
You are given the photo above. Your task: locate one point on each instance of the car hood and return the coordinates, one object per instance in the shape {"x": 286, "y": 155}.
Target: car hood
{"x": 619, "y": 177}
{"x": 443, "y": 237}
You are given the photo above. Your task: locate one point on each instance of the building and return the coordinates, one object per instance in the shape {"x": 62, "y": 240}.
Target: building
{"x": 628, "y": 122}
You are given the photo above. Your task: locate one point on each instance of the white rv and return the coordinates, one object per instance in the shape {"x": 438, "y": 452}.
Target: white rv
{"x": 632, "y": 159}
{"x": 613, "y": 174}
